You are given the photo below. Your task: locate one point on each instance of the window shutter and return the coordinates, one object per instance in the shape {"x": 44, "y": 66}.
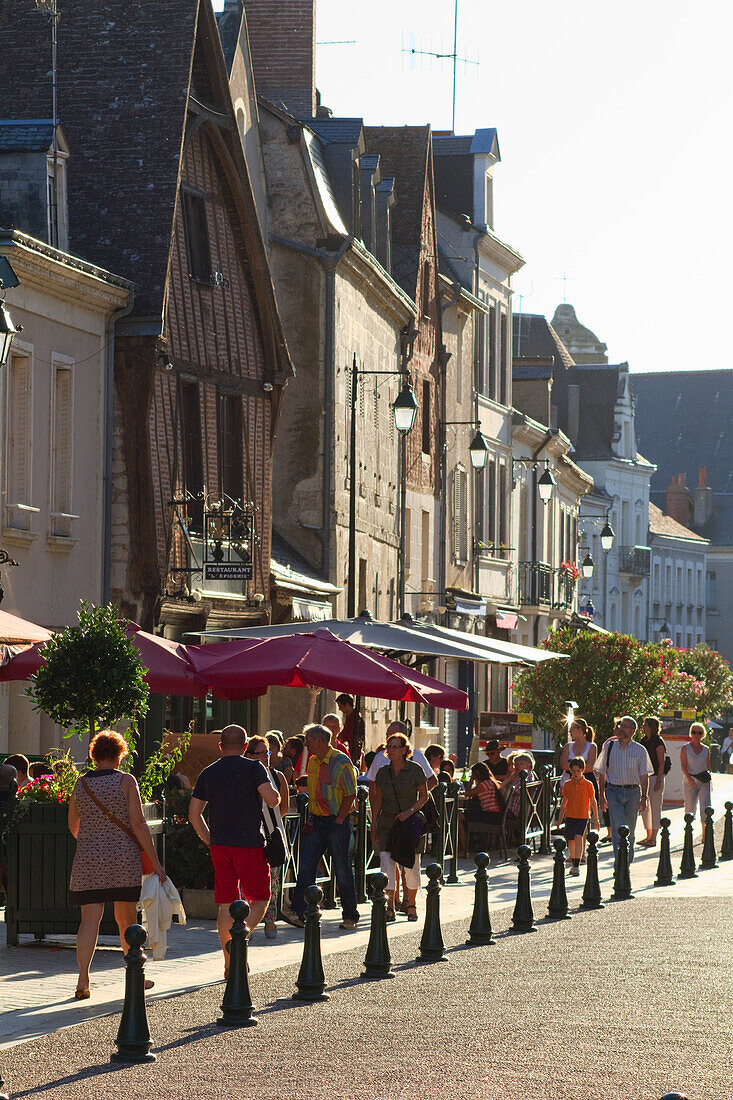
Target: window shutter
{"x": 455, "y": 514}
{"x": 463, "y": 512}
{"x": 18, "y": 436}
{"x": 62, "y": 441}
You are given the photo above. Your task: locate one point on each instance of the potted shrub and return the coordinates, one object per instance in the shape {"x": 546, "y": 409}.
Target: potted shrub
{"x": 92, "y": 677}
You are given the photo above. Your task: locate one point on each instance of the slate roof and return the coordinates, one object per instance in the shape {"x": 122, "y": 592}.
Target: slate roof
{"x": 524, "y": 371}
{"x": 291, "y": 570}
{"x": 23, "y": 136}
{"x": 598, "y": 387}
{"x": 405, "y": 154}
{"x": 661, "y": 524}
{"x": 684, "y": 420}
{"x": 336, "y": 131}
{"x": 719, "y": 528}
{"x": 535, "y": 338}
{"x": 123, "y": 80}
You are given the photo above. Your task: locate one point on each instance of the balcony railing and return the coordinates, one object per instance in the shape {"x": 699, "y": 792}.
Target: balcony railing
{"x": 635, "y": 560}
{"x": 542, "y": 586}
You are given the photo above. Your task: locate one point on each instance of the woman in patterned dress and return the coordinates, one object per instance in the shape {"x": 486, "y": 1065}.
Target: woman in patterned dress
{"x": 107, "y": 865}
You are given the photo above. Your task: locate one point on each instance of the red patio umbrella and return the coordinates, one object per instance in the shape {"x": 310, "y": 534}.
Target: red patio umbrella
{"x": 241, "y": 669}
{"x": 168, "y": 669}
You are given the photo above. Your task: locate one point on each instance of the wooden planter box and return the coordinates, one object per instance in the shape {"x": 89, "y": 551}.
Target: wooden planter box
{"x": 40, "y": 853}
{"x": 199, "y": 904}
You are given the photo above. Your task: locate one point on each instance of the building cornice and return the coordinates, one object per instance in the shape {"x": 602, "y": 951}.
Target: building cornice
{"x": 368, "y": 269}
{"x": 51, "y": 271}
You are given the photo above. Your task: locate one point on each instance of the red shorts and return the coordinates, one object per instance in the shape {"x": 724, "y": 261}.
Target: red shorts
{"x": 240, "y": 867}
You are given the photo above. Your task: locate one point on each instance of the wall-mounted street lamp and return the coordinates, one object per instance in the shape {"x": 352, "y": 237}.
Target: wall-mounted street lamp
{"x": 607, "y": 535}
{"x": 545, "y": 483}
{"x": 404, "y": 410}
{"x": 587, "y": 566}
{"x": 478, "y": 448}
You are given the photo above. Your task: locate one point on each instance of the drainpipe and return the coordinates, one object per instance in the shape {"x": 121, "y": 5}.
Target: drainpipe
{"x": 330, "y": 262}
{"x": 109, "y": 396}
{"x": 550, "y": 433}
{"x": 455, "y": 295}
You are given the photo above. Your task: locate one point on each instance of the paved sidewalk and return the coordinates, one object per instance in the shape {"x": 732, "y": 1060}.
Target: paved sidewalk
{"x": 37, "y": 981}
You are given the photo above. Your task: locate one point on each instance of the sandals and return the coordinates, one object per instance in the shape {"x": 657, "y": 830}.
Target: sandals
{"x": 390, "y": 915}
{"x": 412, "y": 912}
{"x": 81, "y": 994}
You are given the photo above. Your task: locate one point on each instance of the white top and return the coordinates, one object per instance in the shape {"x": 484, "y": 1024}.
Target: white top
{"x": 381, "y": 759}
{"x": 628, "y": 764}
{"x": 727, "y": 745}
{"x": 696, "y": 761}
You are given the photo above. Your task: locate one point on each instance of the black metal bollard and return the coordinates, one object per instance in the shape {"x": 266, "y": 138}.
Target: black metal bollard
{"x": 675, "y": 1096}
{"x": 621, "y": 876}
{"x": 480, "y": 931}
{"x": 592, "y": 897}
{"x": 726, "y": 850}
{"x": 133, "y": 1037}
{"x": 523, "y": 916}
{"x": 236, "y": 1008}
{"x": 311, "y": 983}
{"x": 378, "y": 961}
{"x": 708, "y": 861}
{"x": 432, "y": 948}
{"x": 664, "y": 867}
{"x": 687, "y": 866}
{"x": 557, "y": 907}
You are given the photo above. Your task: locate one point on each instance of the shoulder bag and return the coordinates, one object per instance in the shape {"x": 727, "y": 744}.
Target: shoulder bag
{"x": 275, "y": 850}
{"x": 147, "y": 862}
{"x": 404, "y": 836}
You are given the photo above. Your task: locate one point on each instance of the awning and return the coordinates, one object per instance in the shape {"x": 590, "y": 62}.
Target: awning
{"x": 507, "y": 620}
{"x": 310, "y": 610}
{"x": 492, "y": 648}
{"x": 366, "y": 631}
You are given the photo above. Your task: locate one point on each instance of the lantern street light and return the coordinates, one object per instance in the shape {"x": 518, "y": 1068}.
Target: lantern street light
{"x": 478, "y": 450}
{"x": 546, "y": 484}
{"x": 607, "y": 536}
{"x": 587, "y": 566}
{"x": 404, "y": 410}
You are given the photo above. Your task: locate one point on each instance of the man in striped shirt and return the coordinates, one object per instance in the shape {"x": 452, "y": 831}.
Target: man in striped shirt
{"x": 623, "y": 771}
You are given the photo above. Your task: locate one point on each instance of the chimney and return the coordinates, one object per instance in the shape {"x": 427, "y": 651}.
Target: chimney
{"x": 703, "y": 498}
{"x": 282, "y": 38}
{"x": 679, "y": 502}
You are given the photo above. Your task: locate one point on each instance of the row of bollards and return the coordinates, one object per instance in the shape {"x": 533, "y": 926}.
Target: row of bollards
{"x": 133, "y": 1037}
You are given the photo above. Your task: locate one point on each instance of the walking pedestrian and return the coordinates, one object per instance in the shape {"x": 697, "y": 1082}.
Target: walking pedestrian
{"x": 695, "y": 761}
{"x": 726, "y": 750}
{"x": 106, "y": 818}
{"x": 352, "y": 731}
{"x": 258, "y": 748}
{"x": 623, "y": 771}
{"x": 651, "y": 815}
{"x": 234, "y": 789}
{"x": 332, "y": 724}
{"x": 400, "y": 790}
{"x": 578, "y": 804}
{"x": 331, "y": 795}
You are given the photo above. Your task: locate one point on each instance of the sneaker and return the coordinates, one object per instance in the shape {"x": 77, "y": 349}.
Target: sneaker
{"x": 348, "y": 925}
{"x": 574, "y": 872}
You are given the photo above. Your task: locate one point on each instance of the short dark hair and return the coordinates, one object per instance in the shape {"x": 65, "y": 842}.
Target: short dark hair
{"x": 480, "y": 771}
{"x": 345, "y": 698}
{"x": 434, "y": 750}
{"x": 577, "y": 762}
{"x": 19, "y": 762}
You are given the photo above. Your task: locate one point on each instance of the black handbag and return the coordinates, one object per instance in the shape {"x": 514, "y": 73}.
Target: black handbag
{"x": 405, "y": 836}
{"x": 702, "y": 777}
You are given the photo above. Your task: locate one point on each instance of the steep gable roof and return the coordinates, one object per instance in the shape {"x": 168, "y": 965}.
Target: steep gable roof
{"x": 683, "y": 422}
{"x": 535, "y": 338}
{"x": 405, "y": 154}
{"x": 661, "y": 524}
{"x": 123, "y": 81}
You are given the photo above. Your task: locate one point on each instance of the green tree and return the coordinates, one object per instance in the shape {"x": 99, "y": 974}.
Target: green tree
{"x": 92, "y": 675}
{"x": 606, "y": 674}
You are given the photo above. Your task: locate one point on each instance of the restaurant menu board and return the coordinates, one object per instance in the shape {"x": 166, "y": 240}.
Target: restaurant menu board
{"x": 676, "y": 722}
{"x": 506, "y": 726}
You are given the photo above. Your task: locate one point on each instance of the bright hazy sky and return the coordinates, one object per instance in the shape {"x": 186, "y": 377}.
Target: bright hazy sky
{"x": 613, "y": 123}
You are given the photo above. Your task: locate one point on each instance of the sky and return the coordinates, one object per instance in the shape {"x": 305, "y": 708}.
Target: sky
{"x": 613, "y": 124}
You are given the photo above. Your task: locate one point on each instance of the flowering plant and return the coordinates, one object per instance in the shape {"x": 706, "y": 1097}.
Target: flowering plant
{"x": 570, "y": 568}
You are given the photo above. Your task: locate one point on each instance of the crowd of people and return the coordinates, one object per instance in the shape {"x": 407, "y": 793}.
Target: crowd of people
{"x": 238, "y": 803}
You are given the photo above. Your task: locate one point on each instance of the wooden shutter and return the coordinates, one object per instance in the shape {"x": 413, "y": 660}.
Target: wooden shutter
{"x": 62, "y": 427}
{"x": 18, "y": 437}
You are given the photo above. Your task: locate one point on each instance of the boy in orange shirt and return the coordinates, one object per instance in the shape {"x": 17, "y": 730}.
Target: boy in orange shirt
{"x": 578, "y": 801}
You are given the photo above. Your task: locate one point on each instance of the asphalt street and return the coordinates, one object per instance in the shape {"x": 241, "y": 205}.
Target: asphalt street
{"x": 623, "y": 1003}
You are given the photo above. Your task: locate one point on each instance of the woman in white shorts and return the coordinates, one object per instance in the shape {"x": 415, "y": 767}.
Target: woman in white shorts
{"x": 695, "y": 761}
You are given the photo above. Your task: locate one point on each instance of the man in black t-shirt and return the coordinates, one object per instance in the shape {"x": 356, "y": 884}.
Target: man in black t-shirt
{"x": 495, "y": 762}
{"x": 234, "y": 789}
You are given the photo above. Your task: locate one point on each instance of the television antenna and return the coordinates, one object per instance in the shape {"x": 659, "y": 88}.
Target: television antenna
{"x": 442, "y": 55}
{"x": 49, "y": 7}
